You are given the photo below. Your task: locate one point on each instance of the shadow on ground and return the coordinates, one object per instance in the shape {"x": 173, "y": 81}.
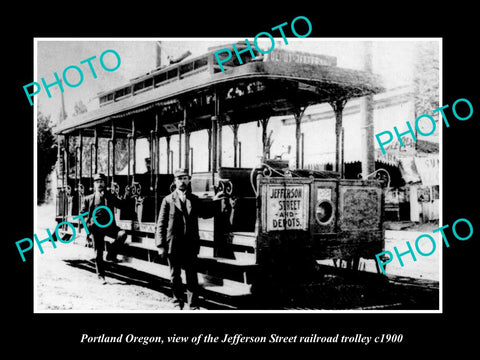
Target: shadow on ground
{"x": 329, "y": 289}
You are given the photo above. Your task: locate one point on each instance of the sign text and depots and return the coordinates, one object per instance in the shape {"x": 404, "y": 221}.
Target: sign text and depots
{"x": 286, "y": 207}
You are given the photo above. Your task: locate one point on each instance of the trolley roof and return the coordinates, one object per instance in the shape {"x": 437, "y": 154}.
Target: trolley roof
{"x": 245, "y": 93}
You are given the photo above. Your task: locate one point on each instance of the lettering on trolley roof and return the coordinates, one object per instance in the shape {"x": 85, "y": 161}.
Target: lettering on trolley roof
{"x": 72, "y": 76}
{"x": 248, "y": 47}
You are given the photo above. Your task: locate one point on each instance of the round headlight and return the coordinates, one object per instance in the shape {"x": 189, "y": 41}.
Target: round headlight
{"x": 324, "y": 212}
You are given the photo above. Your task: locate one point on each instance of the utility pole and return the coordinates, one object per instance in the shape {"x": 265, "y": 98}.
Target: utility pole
{"x": 366, "y": 123}
{"x": 158, "y": 54}
{"x": 63, "y": 113}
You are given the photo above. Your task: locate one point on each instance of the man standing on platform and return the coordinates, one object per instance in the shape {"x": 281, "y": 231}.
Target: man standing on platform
{"x": 101, "y": 217}
{"x": 177, "y": 236}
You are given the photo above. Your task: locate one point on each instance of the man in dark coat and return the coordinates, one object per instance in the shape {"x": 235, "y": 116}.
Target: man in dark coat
{"x": 177, "y": 236}
{"x": 97, "y": 219}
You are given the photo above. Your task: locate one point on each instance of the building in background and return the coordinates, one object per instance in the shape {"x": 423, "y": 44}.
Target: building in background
{"x": 413, "y": 192}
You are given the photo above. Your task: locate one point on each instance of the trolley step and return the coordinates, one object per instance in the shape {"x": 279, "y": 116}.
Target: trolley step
{"x": 218, "y": 289}
{"x": 241, "y": 269}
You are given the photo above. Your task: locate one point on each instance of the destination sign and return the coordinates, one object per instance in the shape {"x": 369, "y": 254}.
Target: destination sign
{"x": 279, "y": 55}
{"x": 286, "y": 207}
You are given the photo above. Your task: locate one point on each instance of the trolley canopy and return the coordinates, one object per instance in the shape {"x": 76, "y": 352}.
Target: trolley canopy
{"x": 192, "y": 91}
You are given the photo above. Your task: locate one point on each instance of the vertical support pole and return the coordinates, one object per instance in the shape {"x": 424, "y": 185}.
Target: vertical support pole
{"x": 234, "y": 128}
{"x": 134, "y": 150}
{"x": 219, "y": 142}
{"x": 151, "y": 155}
{"x": 64, "y": 166}
{"x": 342, "y": 166}
{"x": 80, "y": 157}
{"x": 216, "y": 128}
{"x": 239, "y": 154}
{"x": 298, "y": 135}
{"x": 209, "y": 132}
{"x": 76, "y": 168}
{"x": 92, "y": 151}
{"x": 156, "y": 164}
{"x": 113, "y": 140}
{"x": 338, "y": 138}
{"x": 367, "y": 124}
{"x": 213, "y": 167}
{"x": 67, "y": 158}
{"x": 298, "y": 114}
{"x": 187, "y": 150}
{"x": 180, "y": 130}
{"x": 80, "y": 168}
{"x": 93, "y": 158}
{"x": 264, "y": 123}
{"x": 65, "y": 174}
{"x": 108, "y": 163}
{"x": 167, "y": 139}
{"x": 218, "y": 222}
{"x": 75, "y": 185}
{"x": 302, "y": 163}
{"x": 60, "y": 189}
{"x": 129, "y": 158}
{"x": 187, "y": 140}
{"x": 60, "y": 166}
{"x": 157, "y": 148}
{"x": 338, "y": 106}
{"x": 76, "y": 194}
{"x": 191, "y": 161}
{"x": 96, "y": 150}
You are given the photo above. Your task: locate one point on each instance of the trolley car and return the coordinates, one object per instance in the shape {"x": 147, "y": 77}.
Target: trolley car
{"x": 276, "y": 220}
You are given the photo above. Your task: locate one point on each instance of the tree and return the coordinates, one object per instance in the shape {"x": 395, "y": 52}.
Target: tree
{"x": 426, "y": 83}
{"x": 46, "y": 155}
{"x": 426, "y": 80}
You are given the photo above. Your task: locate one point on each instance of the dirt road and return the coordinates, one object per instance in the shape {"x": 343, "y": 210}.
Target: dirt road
{"x": 60, "y": 286}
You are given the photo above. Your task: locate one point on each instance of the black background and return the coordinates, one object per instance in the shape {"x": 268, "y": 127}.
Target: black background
{"x": 58, "y": 335}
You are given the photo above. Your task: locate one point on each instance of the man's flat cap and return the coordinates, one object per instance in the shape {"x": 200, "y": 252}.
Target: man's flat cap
{"x": 181, "y": 172}
{"x": 99, "y": 177}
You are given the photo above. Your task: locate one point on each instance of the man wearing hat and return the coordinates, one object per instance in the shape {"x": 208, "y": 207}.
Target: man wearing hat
{"x": 100, "y": 197}
{"x": 178, "y": 239}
